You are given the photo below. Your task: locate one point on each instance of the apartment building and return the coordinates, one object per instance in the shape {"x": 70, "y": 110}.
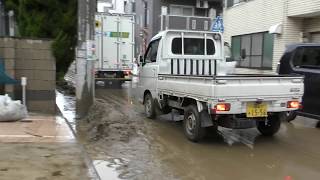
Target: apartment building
{"x": 264, "y": 27}
{"x": 153, "y": 16}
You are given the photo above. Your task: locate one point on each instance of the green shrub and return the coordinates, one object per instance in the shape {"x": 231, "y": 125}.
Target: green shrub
{"x": 54, "y": 19}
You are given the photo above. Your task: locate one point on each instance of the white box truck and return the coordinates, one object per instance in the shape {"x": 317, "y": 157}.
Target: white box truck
{"x": 114, "y": 36}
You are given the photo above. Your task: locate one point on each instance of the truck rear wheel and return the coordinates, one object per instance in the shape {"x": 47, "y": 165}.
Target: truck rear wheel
{"x": 149, "y": 106}
{"x": 271, "y": 127}
{"x": 192, "y": 124}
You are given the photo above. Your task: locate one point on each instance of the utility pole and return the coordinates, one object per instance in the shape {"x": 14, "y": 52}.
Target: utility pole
{"x": 84, "y": 63}
{"x": 2, "y": 19}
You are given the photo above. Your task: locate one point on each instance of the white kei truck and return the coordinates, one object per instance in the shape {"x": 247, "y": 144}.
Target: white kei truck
{"x": 114, "y": 39}
{"x": 186, "y": 71}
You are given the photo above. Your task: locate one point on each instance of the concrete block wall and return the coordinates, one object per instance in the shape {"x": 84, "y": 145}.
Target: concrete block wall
{"x": 31, "y": 58}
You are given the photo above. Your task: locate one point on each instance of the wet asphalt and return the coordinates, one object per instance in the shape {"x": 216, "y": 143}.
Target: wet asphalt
{"x": 161, "y": 151}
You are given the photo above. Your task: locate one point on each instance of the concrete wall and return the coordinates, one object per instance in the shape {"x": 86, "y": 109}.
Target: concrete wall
{"x": 32, "y": 59}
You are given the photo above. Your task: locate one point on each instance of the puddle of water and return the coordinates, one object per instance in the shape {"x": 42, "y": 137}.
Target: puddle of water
{"x": 66, "y": 104}
{"x": 115, "y": 169}
{"x": 105, "y": 171}
{"x": 302, "y": 122}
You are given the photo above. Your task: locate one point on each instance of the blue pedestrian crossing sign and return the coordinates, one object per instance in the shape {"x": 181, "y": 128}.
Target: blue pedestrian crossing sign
{"x": 217, "y": 25}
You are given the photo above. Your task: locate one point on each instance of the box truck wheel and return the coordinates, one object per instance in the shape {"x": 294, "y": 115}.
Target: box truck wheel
{"x": 149, "y": 106}
{"x": 192, "y": 124}
{"x": 270, "y": 127}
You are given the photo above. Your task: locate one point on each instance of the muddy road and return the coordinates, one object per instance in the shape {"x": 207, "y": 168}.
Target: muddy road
{"x": 126, "y": 145}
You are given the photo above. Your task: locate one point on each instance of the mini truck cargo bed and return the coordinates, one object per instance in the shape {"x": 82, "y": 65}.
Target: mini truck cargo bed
{"x": 238, "y": 90}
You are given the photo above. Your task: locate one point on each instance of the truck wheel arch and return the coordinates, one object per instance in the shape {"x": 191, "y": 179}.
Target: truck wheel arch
{"x": 206, "y": 120}
{"x": 147, "y": 92}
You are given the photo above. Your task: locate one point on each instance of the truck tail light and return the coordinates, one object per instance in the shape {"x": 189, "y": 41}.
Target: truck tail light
{"x": 127, "y": 72}
{"x": 222, "y": 107}
{"x": 293, "y": 104}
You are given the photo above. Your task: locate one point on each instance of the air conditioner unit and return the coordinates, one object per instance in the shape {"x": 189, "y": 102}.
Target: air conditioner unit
{"x": 202, "y": 4}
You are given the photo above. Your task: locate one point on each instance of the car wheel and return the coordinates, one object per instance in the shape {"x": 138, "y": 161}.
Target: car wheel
{"x": 192, "y": 124}
{"x": 149, "y": 106}
{"x": 270, "y": 127}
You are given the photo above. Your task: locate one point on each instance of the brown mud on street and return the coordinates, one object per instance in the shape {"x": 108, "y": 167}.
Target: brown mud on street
{"x": 126, "y": 145}
{"x": 114, "y": 136}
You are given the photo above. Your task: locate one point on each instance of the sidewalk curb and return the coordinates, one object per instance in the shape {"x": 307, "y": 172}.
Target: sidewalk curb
{"x": 93, "y": 173}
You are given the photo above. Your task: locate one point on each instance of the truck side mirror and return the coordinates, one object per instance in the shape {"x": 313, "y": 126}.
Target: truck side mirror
{"x": 243, "y": 54}
{"x": 141, "y": 59}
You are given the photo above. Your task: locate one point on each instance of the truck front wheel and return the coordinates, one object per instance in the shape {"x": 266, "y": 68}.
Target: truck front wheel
{"x": 270, "y": 127}
{"x": 192, "y": 124}
{"x": 149, "y": 106}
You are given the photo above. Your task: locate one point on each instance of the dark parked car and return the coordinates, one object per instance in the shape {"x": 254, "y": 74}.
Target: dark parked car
{"x": 304, "y": 59}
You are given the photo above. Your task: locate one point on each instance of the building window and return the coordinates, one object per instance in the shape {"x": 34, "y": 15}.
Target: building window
{"x": 258, "y": 47}
{"x": 181, "y": 10}
{"x": 192, "y": 46}
{"x": 133, "y": 7}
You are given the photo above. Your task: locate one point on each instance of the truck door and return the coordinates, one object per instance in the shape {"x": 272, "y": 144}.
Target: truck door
{"x": 306, "y": 61}
{"x": 149, "y": 69}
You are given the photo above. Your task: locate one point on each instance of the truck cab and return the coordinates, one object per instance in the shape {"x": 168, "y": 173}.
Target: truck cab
{"x": 166, "y": 48}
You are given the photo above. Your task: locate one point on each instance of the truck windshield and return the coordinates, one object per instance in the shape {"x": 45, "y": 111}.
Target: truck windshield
{"x": 192, "y": 46}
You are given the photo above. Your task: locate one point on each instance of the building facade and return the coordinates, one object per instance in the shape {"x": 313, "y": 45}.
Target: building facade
{"x": 150, "y": 16}
{"x": 264, "y": 27}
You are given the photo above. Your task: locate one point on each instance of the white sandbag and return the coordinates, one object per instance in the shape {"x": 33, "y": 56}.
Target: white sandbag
{"x": 11, "y": 110}
{"x": 225, "y": 68}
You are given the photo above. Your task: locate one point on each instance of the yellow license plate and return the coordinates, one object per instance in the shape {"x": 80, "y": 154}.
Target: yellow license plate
{"x": 257, "y": 110}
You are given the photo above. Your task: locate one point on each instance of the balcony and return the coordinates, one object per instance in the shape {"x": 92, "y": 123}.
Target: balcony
{"x": 194, "y": 23}
{"x": 306, "y": 8}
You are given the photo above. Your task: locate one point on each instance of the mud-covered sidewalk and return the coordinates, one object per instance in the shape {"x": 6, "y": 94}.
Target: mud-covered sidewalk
{"x": 41, "y": 147}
